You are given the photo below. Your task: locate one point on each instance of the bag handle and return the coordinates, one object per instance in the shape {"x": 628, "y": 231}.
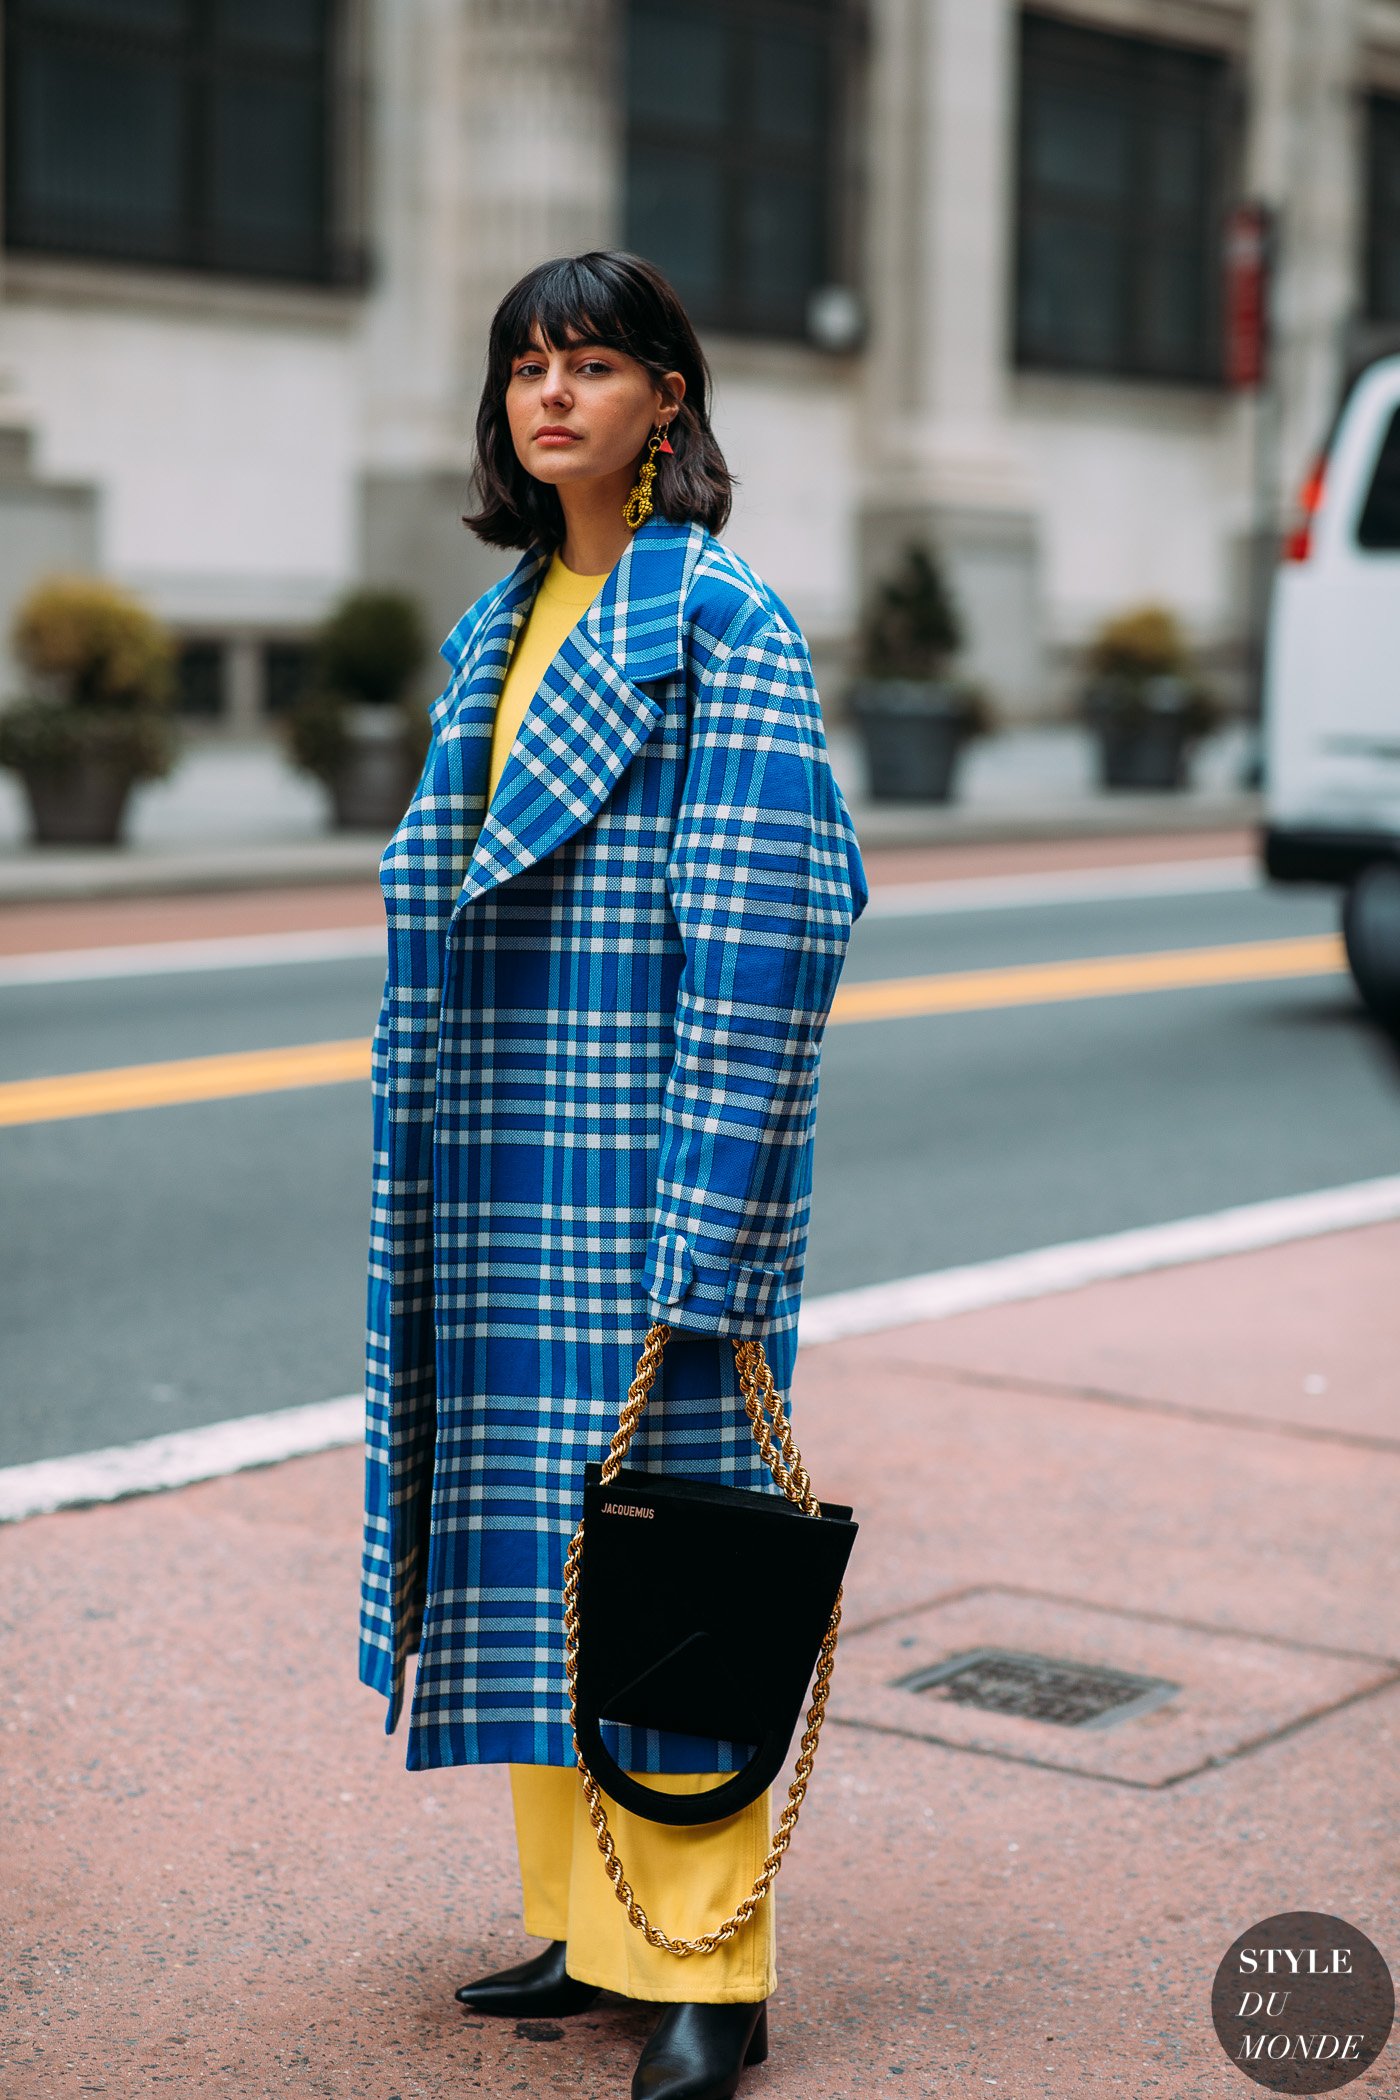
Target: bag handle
{"x": 784, "y": 1462}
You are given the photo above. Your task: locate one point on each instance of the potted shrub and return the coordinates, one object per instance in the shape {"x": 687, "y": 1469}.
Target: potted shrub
{"x": 914, "y": 717}
{"x": 355, "y": 728}
{"x": 96, "y": 717}
{"x": 1145, "y": 705}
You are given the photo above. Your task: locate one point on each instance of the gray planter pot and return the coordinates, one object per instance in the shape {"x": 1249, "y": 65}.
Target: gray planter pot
{"x": 372, "y": 789}
{"x": 84, "y": 804}
{"x": 913, "y": 730}
{"x": 1144, "y": 735}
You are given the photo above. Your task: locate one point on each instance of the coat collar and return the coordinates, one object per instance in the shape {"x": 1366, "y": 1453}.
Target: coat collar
{"x": 638, "y": 617}
{"x": 590, "y": 714}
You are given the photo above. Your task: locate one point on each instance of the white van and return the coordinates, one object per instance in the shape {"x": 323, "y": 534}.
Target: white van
{"x": 1332, "y": 686}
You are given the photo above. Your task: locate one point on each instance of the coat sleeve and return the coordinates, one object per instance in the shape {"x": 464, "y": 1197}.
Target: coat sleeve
{"x": 765, "y": 880}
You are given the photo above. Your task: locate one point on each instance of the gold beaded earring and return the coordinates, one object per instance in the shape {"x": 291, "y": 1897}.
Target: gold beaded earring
{"x": 637, "y": 508}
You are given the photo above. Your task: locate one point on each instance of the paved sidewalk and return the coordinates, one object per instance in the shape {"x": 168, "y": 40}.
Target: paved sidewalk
{"x": 235, "y": 815}
{"x": 220, "y": 1880}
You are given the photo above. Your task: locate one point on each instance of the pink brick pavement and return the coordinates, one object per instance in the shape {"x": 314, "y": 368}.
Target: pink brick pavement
{"x": 219, "y": 1879}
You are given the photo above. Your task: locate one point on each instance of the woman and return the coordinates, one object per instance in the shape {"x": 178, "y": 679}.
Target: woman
{"x": 618, "y": 907}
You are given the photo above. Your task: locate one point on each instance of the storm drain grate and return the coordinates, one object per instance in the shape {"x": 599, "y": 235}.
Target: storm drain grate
{"x": 1040, "y": 1687}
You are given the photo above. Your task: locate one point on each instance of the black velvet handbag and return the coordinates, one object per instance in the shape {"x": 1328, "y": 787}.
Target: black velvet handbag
{"x": 703, "y": 1610}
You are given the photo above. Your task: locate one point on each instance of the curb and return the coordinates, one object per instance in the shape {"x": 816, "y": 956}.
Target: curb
{"x": 82, "y": 1480}
{"x": 1112, "y": 815}
{"x": 43, "y": 876}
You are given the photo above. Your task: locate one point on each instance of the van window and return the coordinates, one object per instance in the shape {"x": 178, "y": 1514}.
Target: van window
{"x": 1380, "y": 516}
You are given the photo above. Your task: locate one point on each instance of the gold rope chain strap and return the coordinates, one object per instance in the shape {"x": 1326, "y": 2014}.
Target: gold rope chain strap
{"x": 781, "y": 1456}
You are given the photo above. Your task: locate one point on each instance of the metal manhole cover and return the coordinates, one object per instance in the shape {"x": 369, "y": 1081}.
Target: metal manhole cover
{"x": 1205, "y": 1696}
{"x": 1040, "y": 1687}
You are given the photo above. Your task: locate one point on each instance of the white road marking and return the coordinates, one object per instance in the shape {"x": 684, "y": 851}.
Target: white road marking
{"x": 179, "y": 1459}
{"x": 1077, "y": 1263}
{"x": 256, "y": 951}
{"x": 189, "y": 1455}
{"x": 235, "y": 951}
{"x": 1184, "y": 878}
{"x": 1068, "y": 1267}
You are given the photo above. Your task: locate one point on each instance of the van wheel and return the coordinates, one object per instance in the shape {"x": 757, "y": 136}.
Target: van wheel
{"x": 1371, "y": 932}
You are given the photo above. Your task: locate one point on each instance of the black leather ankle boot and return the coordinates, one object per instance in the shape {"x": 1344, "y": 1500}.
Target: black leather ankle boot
{"x": 538, "y": 1989}
{"x": 698, "y": 2052}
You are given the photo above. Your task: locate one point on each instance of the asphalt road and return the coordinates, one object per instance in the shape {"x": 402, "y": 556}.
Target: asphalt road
{"x": 168, "y": 1267}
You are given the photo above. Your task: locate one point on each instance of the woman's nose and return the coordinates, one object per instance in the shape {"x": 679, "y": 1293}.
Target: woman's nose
{"x": 556, "y": 387}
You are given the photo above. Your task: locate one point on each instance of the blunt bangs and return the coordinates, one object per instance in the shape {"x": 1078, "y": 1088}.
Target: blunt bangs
{"x": 620, "y": 302}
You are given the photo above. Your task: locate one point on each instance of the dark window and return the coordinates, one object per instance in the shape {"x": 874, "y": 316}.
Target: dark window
{"x": 1379, "y": 523}
{"x": 194, "y": 133}
{"x": 286, "y": 675}
{"x": 1121, "y": 183}
{"x": 1383, "y": 208}
{"x": 199, "y": 680}
{"x": 732, "y": 185}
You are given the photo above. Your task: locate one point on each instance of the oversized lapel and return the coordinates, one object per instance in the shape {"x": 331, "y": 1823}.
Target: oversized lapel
{"x": 479, "y": 646}
{"x": 591, "y": 713}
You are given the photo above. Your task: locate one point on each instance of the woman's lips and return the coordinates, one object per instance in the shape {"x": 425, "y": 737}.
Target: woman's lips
{"x": 556, "y": 437}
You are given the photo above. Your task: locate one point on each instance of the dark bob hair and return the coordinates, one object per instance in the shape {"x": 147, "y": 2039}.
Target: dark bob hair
{"x": 623, "y": 302}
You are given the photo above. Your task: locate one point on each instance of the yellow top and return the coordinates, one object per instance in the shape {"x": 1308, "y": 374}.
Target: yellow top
{"x": 560, "y": 603}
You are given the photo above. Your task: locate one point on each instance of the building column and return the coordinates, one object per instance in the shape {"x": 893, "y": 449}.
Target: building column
{"x": 1305, "y": 158}
{"x": 244, "y": 700}
{"x": 495, "y": 149}
{"x": 941, "y": 460}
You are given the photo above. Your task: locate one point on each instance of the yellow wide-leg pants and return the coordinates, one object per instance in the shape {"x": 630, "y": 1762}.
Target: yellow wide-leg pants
{"x": 687, "y": 1880}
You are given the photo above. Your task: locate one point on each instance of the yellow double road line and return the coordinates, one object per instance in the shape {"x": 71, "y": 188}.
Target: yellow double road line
{"x": 224, "y": 1078}
{"x": 236, "y": 1073}
{"x": 1095, "y": 977}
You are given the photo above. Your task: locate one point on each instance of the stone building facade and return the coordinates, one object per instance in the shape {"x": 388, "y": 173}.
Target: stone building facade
{"x": 956, "y": 264}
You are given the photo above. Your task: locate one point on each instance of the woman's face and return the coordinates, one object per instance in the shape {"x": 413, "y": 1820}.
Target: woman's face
{"x": 606, "y": 403}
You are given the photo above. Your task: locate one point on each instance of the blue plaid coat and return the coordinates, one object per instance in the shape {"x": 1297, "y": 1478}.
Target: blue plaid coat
{"x": 595, "y": 1085}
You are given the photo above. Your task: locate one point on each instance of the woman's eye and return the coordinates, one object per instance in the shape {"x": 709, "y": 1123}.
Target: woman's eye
{"x": 528, "y": 368}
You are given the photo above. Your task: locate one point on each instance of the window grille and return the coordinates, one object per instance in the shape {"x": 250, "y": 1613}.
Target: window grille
{"x": 735, "y": 127}
{"x": 1383, "y": 208}
{"x": 196, "y": 134}
{"x": 1121, "y": 196}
